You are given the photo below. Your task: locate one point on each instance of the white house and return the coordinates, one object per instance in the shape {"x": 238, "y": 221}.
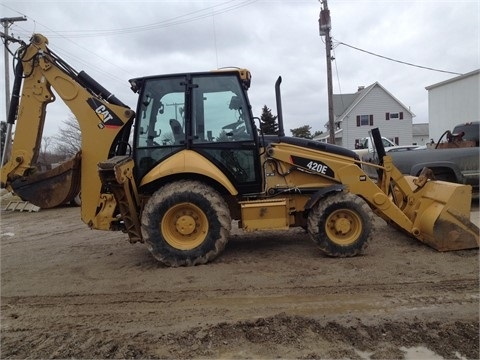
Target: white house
{"x": 453, "y": 102}
{"x": 421, "y": 135}
{"x": 370, "y": 107}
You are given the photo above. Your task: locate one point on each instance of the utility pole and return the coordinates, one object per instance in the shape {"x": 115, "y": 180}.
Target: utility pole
{"x": 6, "y": 22}
{"x": 325, "y": 25}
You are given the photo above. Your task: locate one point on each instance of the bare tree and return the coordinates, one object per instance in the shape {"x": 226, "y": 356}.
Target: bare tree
{"x": 44, "y": 149}
{"x": 46, "y": 156}
{"x": 68, "y": 141}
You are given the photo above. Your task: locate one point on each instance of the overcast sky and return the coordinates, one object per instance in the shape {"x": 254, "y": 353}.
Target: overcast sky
{"x": 114, "y": 41}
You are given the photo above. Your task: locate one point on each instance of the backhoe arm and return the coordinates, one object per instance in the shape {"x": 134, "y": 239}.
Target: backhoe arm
{"x": 104, "y": 124}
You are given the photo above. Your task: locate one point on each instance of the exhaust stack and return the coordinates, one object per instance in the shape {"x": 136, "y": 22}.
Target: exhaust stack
{"x": 278, "y": 98}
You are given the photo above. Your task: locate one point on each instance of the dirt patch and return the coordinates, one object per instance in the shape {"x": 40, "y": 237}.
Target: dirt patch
{"x": 71, "y": 292}
{"x": 280, "y": 336}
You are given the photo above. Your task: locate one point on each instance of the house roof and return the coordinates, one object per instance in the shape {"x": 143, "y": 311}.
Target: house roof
{"x": 471, "y": 73}
{"x": 326, "y": 135}
{"x": 344, "y": 104}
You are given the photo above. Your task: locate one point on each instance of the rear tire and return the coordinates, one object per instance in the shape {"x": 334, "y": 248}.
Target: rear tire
{"x": 186, "y": 223}
{"x": 341, "y": 225}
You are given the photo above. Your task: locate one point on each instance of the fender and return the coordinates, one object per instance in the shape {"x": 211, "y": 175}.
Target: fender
{"x": 188, "y": 161}
{"x": 322, "y": 193}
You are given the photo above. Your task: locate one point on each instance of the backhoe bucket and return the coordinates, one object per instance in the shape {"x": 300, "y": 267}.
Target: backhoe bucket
{"x": 50, "y": 188}
{"x": 442, "y": 216}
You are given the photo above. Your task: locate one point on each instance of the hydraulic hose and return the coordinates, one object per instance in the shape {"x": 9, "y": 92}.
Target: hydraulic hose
{"x": 12, "y": 111}
{"x": 93, "y": 85}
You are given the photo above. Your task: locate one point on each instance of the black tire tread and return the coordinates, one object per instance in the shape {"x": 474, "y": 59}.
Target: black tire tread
{"x": 216, "y": 201}
{"x": 322, "y": 241}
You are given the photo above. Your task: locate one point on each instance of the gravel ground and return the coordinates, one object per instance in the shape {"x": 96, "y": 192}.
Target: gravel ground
{"x": 71, "y": 292}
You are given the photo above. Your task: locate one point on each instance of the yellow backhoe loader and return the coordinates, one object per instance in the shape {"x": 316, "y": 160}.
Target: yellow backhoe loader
{"x": 197, "y": 162}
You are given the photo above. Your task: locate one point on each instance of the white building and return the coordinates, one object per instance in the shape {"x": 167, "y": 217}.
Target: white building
{"x": 420, "y": 133}
{"x": 453, "y": 102}
{"x": 370, "y": 107}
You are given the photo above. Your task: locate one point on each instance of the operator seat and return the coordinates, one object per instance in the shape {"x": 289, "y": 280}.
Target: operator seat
{"x": 177, "y": 131}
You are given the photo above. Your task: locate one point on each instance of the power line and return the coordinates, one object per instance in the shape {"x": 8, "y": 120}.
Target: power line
{"x": 398, "y": 61}
{"x": 87, "y": 63}
{"x": 174, "y": 21}
{"x": 177, "y": 20}
{"x": 338, "y": 78}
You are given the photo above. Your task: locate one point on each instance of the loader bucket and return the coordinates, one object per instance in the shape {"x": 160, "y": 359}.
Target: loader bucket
{"x": 441, "y": 217}
{"x": 50, "y": 188}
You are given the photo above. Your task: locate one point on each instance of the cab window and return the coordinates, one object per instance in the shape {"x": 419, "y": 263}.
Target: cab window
{"x": 161, "y": 121}
{"x": 220, "y": 111}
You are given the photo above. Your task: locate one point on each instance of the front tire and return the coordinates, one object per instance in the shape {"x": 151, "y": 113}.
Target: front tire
{"x": 186, "y": 223}
{"x": 341, "y": 225}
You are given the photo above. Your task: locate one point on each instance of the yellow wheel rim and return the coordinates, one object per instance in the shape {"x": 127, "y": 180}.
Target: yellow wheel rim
{"x": 184, "y": 226}
{"x": 343, "y": 227}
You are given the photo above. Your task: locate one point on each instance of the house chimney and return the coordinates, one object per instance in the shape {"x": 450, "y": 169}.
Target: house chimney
{"x": 360, "y": 88}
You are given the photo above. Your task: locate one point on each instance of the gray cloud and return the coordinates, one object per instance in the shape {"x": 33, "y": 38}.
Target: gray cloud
{"x": 271, "y": 38}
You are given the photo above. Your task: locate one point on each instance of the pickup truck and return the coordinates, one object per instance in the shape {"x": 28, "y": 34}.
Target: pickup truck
{"x": 451, "y": 163}
{"x": 365, "y": 146}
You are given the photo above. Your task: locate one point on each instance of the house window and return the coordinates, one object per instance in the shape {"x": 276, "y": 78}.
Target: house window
{"x": 394, "y": 116}
{"x": 364, "y": 120}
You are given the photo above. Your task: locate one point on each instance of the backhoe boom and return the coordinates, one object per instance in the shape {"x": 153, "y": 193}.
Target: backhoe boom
{"x": 104, "y": 123}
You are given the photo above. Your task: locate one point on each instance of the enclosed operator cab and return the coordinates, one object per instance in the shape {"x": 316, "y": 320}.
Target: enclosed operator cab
{"x": 208, "y": 113}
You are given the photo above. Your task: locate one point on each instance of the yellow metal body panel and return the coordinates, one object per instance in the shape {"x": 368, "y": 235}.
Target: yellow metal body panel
{"x": 265, "y": 215}
{"x": 188, "y": 161}
{"x": 274, "y": 180}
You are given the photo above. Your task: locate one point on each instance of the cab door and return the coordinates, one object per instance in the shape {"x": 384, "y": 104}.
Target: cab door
{"x": 160, "y": 120}
{"x": 222, "y": 128}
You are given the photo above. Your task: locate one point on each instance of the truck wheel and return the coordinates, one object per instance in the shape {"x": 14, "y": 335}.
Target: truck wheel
{"x": 186, "y": 223}
{"x": 341, "y": 225}
{"x": 445, "y": 175}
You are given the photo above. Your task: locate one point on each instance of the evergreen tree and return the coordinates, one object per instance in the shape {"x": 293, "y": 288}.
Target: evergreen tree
{"x": 302, "y": 132}
{"x": 316, "y": 133}
{"x": 268, "y": 123}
